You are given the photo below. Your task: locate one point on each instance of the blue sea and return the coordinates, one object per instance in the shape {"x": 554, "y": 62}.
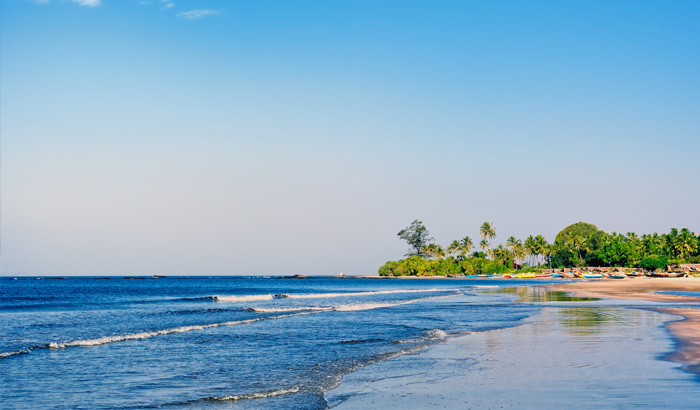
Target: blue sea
{"x": 223, "y": 342}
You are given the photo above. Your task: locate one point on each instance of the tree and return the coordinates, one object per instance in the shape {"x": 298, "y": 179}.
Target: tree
{"x": 417, "y": 236}
{"x": 466, "y": 244}
{"x": 487, "y": 231}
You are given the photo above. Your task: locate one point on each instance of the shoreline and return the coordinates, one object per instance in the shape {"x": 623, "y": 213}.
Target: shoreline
{"x": 560, "y": 355}
{"x": 686, "y": 331}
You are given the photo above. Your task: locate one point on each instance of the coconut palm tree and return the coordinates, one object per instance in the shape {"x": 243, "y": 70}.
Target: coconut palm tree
{"x": 577, "y": 241}
{"x": 484, "y": 244}
{"x": 467, "y": 244}
{"x": 686, "y": 243}
{"x": 454, "y": 248}
{"x": 487, "y": 231}
{"x": 530, "y": 247}
{"x": 540, "y": 246}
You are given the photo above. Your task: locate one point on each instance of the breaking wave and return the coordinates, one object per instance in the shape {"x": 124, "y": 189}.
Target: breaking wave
{"x": 142, "y": 335}
{"x": 245, "y": 298}
{"x": 253, "y": 396}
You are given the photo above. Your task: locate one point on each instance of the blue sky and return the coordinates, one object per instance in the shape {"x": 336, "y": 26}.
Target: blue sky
{"x": 283, "y": 137}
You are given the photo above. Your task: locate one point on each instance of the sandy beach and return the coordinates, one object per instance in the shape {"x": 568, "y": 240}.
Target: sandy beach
{"x": 604, "y": 356}
{"x": 585, "y": 357}
{"x": 685, "y": 331}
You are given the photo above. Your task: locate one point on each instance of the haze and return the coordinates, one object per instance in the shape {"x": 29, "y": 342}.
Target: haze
{"x": 275, "y": 137}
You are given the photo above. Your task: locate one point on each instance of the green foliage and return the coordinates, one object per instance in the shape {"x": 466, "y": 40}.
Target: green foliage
{"x": 616, "y": 251}
{"x": 583, "y": 229}
{"x": 579, "y": 244}
{"x": 417, "y": 236}
{"x": 654, "y": 262}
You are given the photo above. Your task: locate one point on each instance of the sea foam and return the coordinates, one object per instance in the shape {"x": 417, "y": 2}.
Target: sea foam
{"x": 245, "y": 298}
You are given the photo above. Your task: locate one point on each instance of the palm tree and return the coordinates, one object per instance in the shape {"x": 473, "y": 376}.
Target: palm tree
{"x": 530, "y": 247}
{"x": 540, "y": 246}
{"x": 467, "y": 244}
{"x": 487, "y": 231}
{"x": 513, "y": 244}
{"x": 686, "y": 243}
{"x": 484, "y": 244}
{"x": 454, "y": 248}
{"x": 577, "y": 241}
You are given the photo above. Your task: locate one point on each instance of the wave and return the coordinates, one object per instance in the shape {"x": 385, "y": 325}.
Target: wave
{"x": 297, "y": 309}
{"x": 142, "y": 335}
{"x": 369, "y": 306}
{"x": 252, "y": 396}
{"x": 245, "y": 298}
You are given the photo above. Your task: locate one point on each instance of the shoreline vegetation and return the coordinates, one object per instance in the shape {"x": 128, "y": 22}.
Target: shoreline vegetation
{"x": 577, "y": 250}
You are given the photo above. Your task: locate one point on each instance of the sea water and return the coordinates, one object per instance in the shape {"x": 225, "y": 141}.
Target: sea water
{"x": 226, "y": 342}
{"x": 219, "y": 342}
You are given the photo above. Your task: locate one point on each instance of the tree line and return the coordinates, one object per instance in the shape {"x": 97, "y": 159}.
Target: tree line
{"x": 581, "y": 244}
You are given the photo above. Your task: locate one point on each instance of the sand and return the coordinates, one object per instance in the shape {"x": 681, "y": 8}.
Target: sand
{"x": 605, "y": 357}
{"x": 634, "y": 288}
{"x": 685, "y": 331}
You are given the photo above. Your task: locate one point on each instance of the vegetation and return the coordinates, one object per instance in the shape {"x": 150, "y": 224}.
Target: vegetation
{"x": 579, "y": 244}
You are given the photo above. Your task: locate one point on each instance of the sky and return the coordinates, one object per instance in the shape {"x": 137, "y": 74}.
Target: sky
{"x": 277, "y": 137}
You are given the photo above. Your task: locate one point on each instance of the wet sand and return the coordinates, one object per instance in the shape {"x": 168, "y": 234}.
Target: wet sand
{"x": 685, "y": 331}
{"x": 634, "y": 289}
{"x": 595, "y": 357}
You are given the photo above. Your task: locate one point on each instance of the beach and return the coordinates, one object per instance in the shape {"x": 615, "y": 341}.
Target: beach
{"x": 597, "y": 356}
{"x": 685, "y": 331}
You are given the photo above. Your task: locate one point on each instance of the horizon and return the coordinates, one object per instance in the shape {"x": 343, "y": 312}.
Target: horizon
{"x": 272, "y": 139}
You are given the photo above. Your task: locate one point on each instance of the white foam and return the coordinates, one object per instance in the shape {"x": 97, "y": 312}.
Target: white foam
{"x": 147, "y": 335}
{"x": 370, "y": 306}
{"x": 251, "y": 396}
{"x": 244, "y": 298}
{"x": 297, "y": 309}
{"x": 8, "y": 354}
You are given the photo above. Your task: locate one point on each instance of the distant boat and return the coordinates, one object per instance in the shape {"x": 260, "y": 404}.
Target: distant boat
{"x": 592, "y": 275}
{"x": 472, "y": 276}
{"x": 526, "y": 275}
{"x": 543, "y": 275}
{"x": 633, "y": 274}
{"x": 557, "y": 275}
{"x": 616, "y": 276}
{"x": 495, "y": 275}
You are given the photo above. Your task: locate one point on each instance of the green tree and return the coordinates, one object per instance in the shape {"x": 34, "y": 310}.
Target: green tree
{"x": 487, "y": 231}
{"x": 467, "y": 244}
{"x": 417, "y": 236}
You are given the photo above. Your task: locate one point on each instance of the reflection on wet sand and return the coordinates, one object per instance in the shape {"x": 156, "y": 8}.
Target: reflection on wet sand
{"x": 531, "y": 294}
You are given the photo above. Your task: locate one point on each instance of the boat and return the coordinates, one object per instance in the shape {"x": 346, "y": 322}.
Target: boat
{"x": 495, "y": 275}
{"x": 633, "y": 274}
{"x": 472, "y": 276}
{"x": 557, "y": 275}
{"x": 616, "y": 276}
{"x": 592, "y": 275}
{"x": 526, "y": 275}
{"x": 543, "y": 275}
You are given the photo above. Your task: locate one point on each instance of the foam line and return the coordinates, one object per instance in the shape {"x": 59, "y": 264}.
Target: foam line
{"x": 245, "y": 298}
{"x": 143, "y": 335}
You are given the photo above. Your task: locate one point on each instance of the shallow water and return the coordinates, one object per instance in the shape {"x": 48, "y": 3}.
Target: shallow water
{"x": 587, "y": 357}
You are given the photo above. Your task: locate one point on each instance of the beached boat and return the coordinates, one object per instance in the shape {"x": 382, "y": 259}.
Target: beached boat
{"x": 616, "y": 276}
{"x": 495, "y": 275}
{"x": 543, "y": 275}
{"x": 526, "y": 275}
{"x": 633, "y": 274}
{"x": 557, "y": 275}
{"x": 472, "y": 276}
{"x": 592, "y": 275}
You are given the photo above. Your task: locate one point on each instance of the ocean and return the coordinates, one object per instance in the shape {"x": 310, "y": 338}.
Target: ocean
{"x": 225, "y": 342}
